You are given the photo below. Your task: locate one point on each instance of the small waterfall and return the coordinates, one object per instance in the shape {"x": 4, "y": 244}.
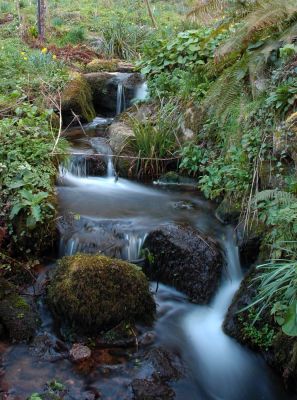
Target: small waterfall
{"x": 121, "y": 100}
{"x": 102, "y": 147}
{"x": 77, "y": 166}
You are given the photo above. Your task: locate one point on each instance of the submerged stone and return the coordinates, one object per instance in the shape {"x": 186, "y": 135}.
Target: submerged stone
{"x": 95, "y": 293}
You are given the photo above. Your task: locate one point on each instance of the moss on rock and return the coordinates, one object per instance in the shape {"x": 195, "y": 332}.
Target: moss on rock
{"x": 77, "y": 97}
{"x": 98, "y": 65}
{"x": 94, "y": 292}
{"x": 16, "y": 315}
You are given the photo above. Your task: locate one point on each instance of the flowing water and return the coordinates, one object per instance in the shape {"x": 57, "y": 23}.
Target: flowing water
{"x": 114, "y": 216}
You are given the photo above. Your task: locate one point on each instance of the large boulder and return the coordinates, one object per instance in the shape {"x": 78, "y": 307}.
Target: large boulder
{"x": 181, "y": 257}
{"x": 94, "y": 293}
{"x": 19, "y": 320}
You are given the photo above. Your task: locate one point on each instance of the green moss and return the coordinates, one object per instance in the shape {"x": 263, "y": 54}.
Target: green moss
{"x": 19, "y": 320}
{"x": 260, "y": 335}
{"x": 77, "y": 96}
{"x": 102, "y": 65}
{"x": 97, "y": 293}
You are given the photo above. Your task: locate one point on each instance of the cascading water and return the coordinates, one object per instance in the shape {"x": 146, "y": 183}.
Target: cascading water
{"x": 121, "y": 100}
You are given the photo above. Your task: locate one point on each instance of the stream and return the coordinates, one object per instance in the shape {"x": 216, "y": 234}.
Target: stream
{"x": 114, "y": 215}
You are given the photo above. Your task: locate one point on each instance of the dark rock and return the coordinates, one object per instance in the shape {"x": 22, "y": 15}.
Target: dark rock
{"x": 16, "y": 315}
{"x": 243, "y": 297}
{"x": 147, "y": 339}
{"x": 79, "y": 352}
{"x": 151, "y": 389}
{"x": 164, "y": 364}
{"x": 184, "y": 259}
{"x": 228, "y": 212}
{"x": 104, "y": 87}
{"x": 48, "y": 348}
{"x": 95, "y": 293}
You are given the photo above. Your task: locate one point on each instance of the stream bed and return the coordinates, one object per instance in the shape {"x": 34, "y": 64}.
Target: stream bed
{"x": 114, "y": 216}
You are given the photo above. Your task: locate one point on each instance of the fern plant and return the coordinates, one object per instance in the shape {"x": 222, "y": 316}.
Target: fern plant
{"x": 278, "y": 210}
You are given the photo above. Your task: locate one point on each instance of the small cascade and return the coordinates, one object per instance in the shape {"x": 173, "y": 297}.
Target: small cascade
{"x": 116, "y": 239}
{"x": 77, "y": 166}
{"x": 121, "y": 99}
{"x": 102, "y": 147}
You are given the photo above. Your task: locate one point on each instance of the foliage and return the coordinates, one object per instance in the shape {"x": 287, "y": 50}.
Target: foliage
{"x": 278, "y": 210}
{"x": 262, "y": 335}
{"x": 75, "y": 35}
{"x": 187, "y": 50}
{"x": 277, "y": 291}
{"x": 156, "y": 139}
{"x": 284, "y": 98}
{"x": 193, "y": 158}
{"x": 29, "y": 172}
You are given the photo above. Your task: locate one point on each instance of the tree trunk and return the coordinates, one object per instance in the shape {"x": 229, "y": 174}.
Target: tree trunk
{"x": 147, "y": 2}
{"x": 41, "y": 16}
{"x": 18, "y": 9}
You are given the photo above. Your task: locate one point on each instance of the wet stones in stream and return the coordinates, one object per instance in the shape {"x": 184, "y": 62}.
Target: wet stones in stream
{"x": 179, "y": 256}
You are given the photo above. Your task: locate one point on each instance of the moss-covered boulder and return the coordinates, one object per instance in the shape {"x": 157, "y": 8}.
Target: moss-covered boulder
{"x": 94, "y": 293}
{"x": 16, "y": 315}
{"x": 77, "y": 97}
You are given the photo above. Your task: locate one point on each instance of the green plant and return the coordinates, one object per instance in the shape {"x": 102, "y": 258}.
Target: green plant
{"x": 75, "y": 35}
{"x": 187, "y": 50}
{"x": 193, "y": 158}
{"x": 278, "y": 210}
{"x": 261, "y": 335}
{"x": 32, "y": 205}
{"x": 277, "y": 291}
{"x": 284, "y": 98}
{"x": 155, "y": 140}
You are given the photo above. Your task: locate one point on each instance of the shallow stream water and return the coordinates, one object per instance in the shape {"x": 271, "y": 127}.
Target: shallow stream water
{"x": 115, "y": 215}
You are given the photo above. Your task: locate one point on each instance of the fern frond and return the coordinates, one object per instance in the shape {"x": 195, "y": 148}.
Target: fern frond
{"x": 281, "y": 197}
{"x": 268, "y": 15}
{"x": 227, "y": 89}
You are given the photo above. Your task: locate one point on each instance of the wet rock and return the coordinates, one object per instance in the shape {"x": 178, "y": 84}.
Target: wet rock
{"x": 48, "y": 348}
{"x": 147, "y": 338}
{"x": 228, "y": 212}
{"x": 164, "y": 364}
{"x": 104, "y": 87}
{"x": 95, "y": 293}
{"x": 120, "y": 134}
{"x": 88, "y": 236}
{"x": 16, "y": 315}
{"x": 181, "y": 257}
{"x": 151, "y": 389}
{"x": 79, "y": 352}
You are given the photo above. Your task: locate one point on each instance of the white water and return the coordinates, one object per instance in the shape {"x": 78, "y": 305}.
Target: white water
{"x": 142, "y": 92}
{"x": 121, "y": 100}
